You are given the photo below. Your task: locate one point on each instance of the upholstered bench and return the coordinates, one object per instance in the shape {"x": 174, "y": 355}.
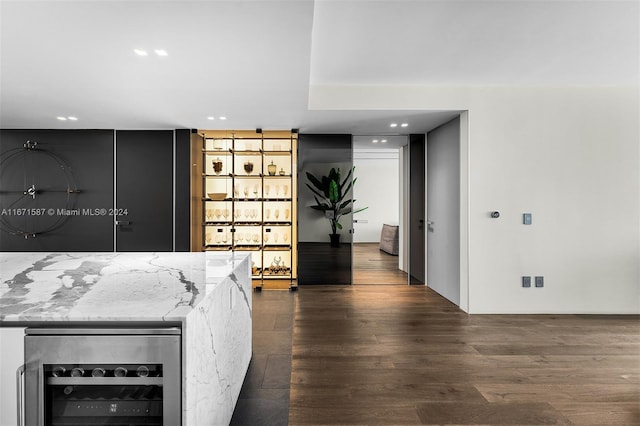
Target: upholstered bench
{"x": 389, "y": 239}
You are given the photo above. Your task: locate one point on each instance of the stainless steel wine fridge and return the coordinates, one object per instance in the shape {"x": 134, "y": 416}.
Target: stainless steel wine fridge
{"x": 101, "y": 377}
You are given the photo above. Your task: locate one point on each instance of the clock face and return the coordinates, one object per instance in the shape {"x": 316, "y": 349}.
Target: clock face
{"x": 37, "y": 191}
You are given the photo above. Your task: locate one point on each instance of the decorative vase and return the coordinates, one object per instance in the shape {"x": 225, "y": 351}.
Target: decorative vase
{"x": 217, "y": 165}
{"x": 248, "y": 167}
{"x": 271, "y": 168}
{"x": 335, "y": 240}
{"x": 281, "y": 171}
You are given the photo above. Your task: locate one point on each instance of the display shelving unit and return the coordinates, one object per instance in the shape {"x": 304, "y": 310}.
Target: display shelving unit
{"x": 246, "y": 200}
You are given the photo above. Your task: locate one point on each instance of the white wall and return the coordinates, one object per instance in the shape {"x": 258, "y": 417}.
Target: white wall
{"x": 570, "y": 156}
{"x": 378, "y": 173}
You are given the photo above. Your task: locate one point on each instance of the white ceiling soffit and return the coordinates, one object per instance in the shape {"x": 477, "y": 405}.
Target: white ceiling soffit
{"x": 246, "y": 60}
{"x": 475, "y": 42}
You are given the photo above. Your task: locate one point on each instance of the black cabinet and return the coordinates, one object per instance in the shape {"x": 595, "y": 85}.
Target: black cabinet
{"x": 144, "y": 190}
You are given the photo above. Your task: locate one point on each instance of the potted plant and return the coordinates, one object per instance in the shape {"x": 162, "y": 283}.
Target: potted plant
{"x": 330, "y": 193}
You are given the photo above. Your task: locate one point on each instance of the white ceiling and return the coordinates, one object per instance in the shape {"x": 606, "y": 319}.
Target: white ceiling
{"x": 254, "y": 61}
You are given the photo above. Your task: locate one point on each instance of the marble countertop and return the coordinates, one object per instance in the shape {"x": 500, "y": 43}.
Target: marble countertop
{"x": 105, "y": 287}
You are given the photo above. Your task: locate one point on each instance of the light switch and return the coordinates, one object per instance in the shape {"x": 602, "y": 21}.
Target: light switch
{"x": 526, "y": 218}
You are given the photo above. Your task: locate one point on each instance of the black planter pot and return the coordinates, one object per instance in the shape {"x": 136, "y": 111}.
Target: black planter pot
{"x": 335, "y": 240}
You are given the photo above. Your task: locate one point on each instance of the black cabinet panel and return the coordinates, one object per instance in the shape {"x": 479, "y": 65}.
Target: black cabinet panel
{"x": 144, "y": 190}
{"x": 416, "y": 208}
{"x": 183, "y": 190}
{"x": 62, "y": 159}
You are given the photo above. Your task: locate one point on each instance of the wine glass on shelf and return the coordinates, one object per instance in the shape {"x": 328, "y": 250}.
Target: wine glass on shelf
{"x": 266, "y": 190}
{"x": 277, "y": 190}
{"x": 238, "y": 238}
{"x": 267, "y": 213}
{"x": 287, "y": 212}
{"x": 285, "y": 237}
{"x": 225, "y": 214}
{"x": 245, "y": 191}
{"x": 277, "y": 213}
{"x": 275, "y": 238}
{"x": 247, "y": 236}
{"x": 285, "y": 188}
{"x": 218, "y": 238}
{"x": 209, "y": 214}
{"x": 217, "y": 213}
{"x": 265, "y": 238}
{"x": 255, "y": 191}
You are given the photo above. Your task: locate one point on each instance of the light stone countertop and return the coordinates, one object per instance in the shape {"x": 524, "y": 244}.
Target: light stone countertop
{"x": 105, "y": 287}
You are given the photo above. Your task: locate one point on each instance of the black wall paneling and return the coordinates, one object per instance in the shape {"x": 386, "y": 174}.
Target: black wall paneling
{"x": 416, "y": 208}
{"x": 50, "y": 216}
{"x": 183, "y": 190}
{"x": 144, "y": 170}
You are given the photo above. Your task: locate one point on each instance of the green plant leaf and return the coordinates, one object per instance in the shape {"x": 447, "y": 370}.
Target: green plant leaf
{"x": 334, "y": 197}
{"x": 338, "y": 225}
{"x": 315, "y": 181}
{"x": 344, "y": 204}
{"x": 347, "y": 178}
{"x": 316, "y": 192}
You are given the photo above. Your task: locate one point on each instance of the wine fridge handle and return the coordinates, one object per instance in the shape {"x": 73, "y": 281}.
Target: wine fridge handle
{"x": 19, "y": 375}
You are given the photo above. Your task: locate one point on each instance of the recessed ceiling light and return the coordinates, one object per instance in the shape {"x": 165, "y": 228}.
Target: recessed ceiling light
{"x": 383, "y": 141}
{"x": 140, "y": 52}
{"x": 161, "y": 52}
{"x": 404, "y": 124}
{"x": 73, "y": 118}
{"x": 211, "y": 118}
{"x": 393, "y": 125}
{"x": 62, "y": 118}
{"x": 222, "y": 118}
{"x": 375, "y": 141}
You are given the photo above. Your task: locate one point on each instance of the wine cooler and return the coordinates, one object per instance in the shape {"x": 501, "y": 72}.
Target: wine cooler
{"x": 124, "y": 377}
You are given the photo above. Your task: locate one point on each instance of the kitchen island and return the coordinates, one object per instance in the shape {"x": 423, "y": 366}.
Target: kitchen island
{"x": 207, "y": 296}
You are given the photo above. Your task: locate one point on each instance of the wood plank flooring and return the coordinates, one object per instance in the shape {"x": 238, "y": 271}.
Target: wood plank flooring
{"x": 373, "y": 266}
{"x": 405, "y": 355}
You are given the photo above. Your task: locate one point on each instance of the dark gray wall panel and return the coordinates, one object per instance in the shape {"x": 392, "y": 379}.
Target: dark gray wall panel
{"x": 416, "y": 208}
{"x": 144, "y": 169}
{"x": 183, "y": 189}
{"x": 88, "y": 156}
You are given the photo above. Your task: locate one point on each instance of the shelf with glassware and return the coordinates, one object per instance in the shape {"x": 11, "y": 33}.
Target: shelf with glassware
{"x": 249, "y": 186}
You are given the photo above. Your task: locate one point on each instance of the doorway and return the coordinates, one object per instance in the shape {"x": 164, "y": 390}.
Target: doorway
{"x": 377, "y": 231}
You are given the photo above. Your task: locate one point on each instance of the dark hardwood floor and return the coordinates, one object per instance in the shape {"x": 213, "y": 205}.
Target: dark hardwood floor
{"x": 405, "y": 355}
{"x": 264, "y": 398}
{"x": 374, "y": 266}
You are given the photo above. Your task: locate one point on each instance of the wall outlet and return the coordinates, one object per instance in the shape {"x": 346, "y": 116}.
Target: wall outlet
{"x": 526, "y": 281}
{"x": 539, "y": 281}
{"x": 527, "y": 218}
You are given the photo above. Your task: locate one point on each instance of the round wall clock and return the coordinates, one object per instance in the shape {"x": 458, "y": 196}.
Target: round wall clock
{"x": 38, "y": 192}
